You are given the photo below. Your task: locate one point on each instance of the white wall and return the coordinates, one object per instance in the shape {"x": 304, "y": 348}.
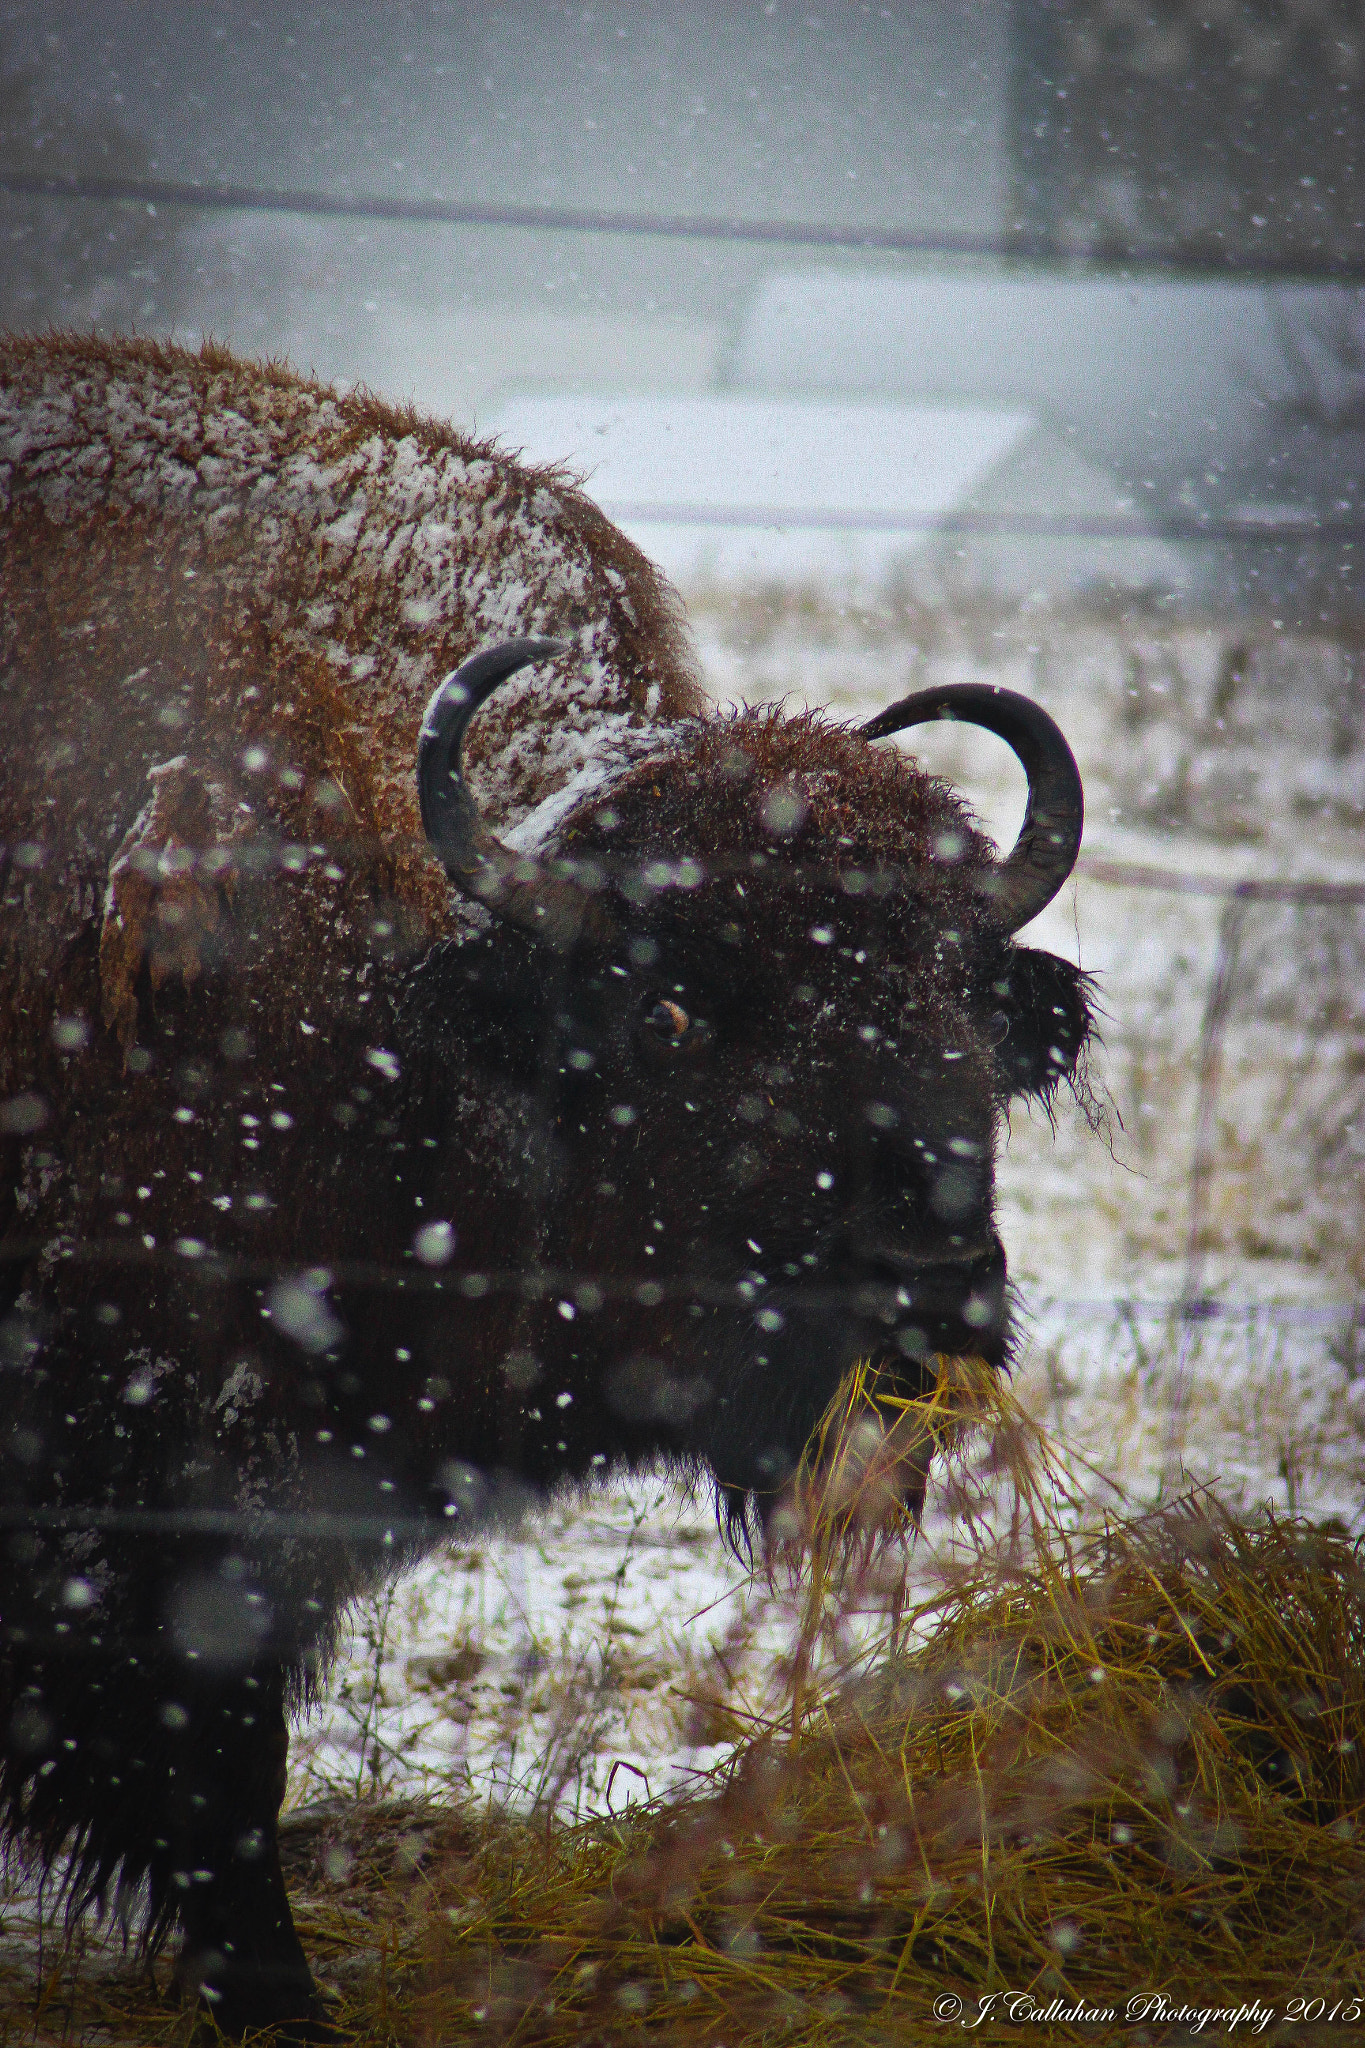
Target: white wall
{"x": 748, "y": 488}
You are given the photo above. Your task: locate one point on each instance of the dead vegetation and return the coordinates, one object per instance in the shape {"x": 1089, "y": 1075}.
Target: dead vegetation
{"x": 1128, "y": 1772}
{"x": 1084, "y": 1768}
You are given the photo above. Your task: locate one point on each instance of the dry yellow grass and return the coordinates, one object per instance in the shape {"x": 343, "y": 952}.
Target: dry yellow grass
{"x": 1087, "y": 1769}
{"x": 1130, "y": 1765}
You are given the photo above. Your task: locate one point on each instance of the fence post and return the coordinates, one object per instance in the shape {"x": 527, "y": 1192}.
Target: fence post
{"x": 1193, "y": 1306}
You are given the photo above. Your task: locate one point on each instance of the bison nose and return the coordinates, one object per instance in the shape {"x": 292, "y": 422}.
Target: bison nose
{"x": 950, "y": 1299}
{"x": 901, "y": 1265}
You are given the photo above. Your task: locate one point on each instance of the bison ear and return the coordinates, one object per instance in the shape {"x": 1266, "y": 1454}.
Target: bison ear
{"x": 1042, "y": 1021}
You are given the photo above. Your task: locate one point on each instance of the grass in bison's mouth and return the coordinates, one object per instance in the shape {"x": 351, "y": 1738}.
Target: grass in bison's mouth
{"x": 1083, "y": 1770}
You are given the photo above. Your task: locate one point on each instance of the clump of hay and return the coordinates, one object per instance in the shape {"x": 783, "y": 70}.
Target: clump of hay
{"x": 1088, "y": 1770}
{"x": 1082, "y": 1770}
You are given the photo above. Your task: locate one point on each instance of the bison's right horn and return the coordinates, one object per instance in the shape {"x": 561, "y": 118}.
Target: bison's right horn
{"x": 1050, "y": 837}
{"x": 513, "y": 885}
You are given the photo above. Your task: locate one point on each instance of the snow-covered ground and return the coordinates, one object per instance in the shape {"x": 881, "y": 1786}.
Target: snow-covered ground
{"x": 593, "y": 1656}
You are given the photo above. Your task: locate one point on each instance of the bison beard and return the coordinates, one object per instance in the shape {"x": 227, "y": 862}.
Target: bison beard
{"x": 704, "y": 1113}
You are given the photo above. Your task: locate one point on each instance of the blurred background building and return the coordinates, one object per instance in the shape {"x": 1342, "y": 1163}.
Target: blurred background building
{"x": 1138, "y": 227}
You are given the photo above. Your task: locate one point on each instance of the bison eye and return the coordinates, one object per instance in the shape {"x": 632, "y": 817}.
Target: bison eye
{"x": 668, "y": 1023}
{"x": 667, "y": 1032}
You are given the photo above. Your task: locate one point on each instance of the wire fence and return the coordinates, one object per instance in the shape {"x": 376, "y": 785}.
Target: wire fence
{"x": 1251, "y": 531}
{"x": 1021, "y": 247}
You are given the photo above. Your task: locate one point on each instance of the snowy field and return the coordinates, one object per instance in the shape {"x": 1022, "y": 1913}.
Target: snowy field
{"x": 612, "y": 1647}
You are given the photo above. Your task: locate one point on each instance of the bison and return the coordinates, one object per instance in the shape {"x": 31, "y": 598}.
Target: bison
{"x": 378, "y": 1153}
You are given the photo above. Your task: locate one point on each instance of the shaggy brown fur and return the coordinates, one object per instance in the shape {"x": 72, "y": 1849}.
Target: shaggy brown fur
{"x": 235, "y": 562}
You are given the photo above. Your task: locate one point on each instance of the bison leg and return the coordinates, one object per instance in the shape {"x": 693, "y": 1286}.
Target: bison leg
{"x": 241, "y": 1950}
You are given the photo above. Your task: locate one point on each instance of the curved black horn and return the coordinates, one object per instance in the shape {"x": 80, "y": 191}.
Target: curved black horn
{"x": 514, "y": 885}
{"x": 1050, "y": 837}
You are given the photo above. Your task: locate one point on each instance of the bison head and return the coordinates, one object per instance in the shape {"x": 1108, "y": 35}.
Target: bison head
{"x": 769, "y": 995}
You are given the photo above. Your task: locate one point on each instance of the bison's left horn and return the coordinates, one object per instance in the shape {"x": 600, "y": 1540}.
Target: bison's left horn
{"x": 1050, "y": 837}
{"x": 515, "y": 886}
